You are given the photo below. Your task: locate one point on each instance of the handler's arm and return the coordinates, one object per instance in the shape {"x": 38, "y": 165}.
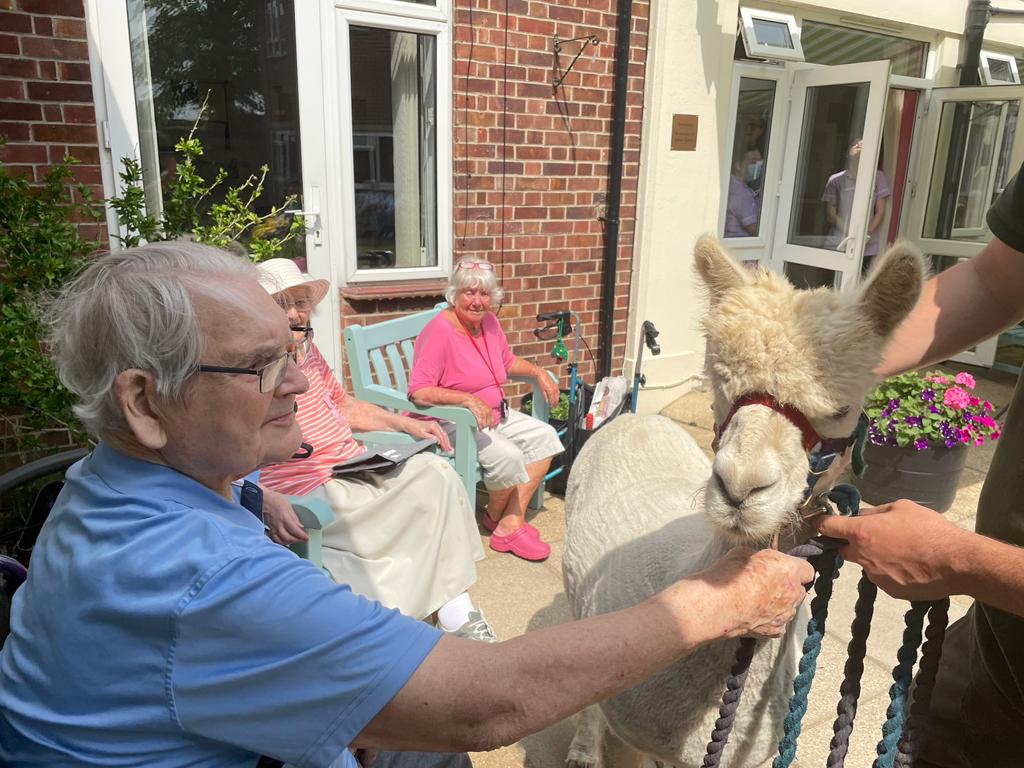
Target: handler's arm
{"x": 477, "y": 696}
{"x": 958, "y": 308}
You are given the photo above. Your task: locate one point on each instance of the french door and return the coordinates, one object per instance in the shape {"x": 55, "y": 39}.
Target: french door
{"x": 829, "y": 181}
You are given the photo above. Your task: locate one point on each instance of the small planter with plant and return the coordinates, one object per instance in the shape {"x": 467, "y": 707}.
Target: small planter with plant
{"x": 920, "y": 426}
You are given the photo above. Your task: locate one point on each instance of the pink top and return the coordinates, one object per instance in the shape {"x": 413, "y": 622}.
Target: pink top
{"x": 446, "y": 357}
{"x": 323, "y": 426}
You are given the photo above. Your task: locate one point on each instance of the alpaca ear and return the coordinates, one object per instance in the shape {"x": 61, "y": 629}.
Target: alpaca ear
{"x": 893, "y": 287}
{"x": 717, "y": 269}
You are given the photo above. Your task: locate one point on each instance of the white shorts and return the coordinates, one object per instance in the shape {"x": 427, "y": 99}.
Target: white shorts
{"x": 505, "y": 450}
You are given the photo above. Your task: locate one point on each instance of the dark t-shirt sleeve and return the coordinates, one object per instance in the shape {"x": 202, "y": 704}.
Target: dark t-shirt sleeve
{"x": 1006, "y": 216}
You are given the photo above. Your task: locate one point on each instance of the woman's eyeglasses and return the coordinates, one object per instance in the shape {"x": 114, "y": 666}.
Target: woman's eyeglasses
{"x": 484, "y": 265}
{"x": 300, "y": 304}
{"x": 271, "y": 375}
{"x": 303, "y": 335}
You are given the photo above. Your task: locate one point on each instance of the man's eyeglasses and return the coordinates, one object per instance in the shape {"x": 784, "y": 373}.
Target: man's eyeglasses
{"x": 303, "y": 335}
{"x": 484, "y": 265}
{"x": 271, "y": 375}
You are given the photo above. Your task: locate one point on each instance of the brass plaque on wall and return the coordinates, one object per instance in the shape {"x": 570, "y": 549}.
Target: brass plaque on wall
{"x": 684, "y": 133}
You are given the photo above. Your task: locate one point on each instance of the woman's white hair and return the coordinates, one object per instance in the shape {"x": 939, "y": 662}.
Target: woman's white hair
{"x": 134, "y": 309}
{"x": 474, "y": 277}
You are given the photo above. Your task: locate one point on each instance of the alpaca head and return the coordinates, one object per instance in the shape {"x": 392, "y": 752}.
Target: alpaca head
{"x": 812, "y": 350}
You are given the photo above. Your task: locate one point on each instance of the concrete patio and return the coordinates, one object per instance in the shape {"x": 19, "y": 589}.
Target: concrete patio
{"x": 519, "y": 597}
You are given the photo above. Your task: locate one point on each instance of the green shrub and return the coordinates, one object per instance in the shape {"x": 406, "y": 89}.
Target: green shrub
{"x": 40, "y": 247}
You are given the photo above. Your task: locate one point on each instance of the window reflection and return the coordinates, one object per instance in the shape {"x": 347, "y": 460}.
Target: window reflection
{"x": 238, "y": 58}
{"x": 394, "y": 147}
{"x": 970, "y": 169}
{"x": 751, "y": 135}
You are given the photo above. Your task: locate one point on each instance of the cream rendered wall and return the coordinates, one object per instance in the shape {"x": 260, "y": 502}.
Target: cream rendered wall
{"x": 689, "y": 71}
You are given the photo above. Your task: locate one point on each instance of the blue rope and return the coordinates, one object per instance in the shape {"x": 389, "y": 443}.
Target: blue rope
{"x": 902, "y": 675}
{"x": 828, "y": 568}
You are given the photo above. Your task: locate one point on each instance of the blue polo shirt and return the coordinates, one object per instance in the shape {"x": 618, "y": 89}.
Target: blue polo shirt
{"x": 160, "y": 627}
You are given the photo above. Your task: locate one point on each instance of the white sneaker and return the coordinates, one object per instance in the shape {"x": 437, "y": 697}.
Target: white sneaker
{"x": 476, "y": 628}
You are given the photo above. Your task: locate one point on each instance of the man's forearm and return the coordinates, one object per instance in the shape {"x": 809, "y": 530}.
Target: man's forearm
{"x": 958, "y": 308}
{"x": 993, "y": 574}
{"x": 529, "y": 682}
{"x": 367, "y": 417}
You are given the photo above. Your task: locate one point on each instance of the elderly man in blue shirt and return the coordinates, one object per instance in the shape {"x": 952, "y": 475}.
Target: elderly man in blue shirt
{"x": 159, "y": 626}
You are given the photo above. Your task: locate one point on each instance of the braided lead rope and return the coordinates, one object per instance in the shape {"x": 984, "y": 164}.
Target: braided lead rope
{"x": 853, "y": 671}
{"x": 730, "y": 702}
{"x": 924, "y": 683}
{"x": 848, "y": 499}
{"x": 828, "y": 568}
{"x": 902, "y": 674}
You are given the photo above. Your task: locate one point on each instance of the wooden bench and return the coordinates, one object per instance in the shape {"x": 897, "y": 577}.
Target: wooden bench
{"x": 380, "y": 358}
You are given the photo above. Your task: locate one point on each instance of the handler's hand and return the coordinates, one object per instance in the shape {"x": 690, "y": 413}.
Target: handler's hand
{"x": 421, "y": 429}
{"x": 281, "y": 521}
{"x": 764, "y": 589}
{"x": 908, "y": 550}
{"x": 481, "y": 410}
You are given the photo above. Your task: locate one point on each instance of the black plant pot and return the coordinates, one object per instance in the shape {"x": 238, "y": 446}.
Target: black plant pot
{"x": 929, "y": 477}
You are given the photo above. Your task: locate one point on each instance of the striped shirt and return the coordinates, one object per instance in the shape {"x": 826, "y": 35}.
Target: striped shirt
{"x": 323, "y": 426}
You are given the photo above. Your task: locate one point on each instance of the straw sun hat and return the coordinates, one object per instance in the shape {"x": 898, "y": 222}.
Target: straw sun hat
{"x": 276, "y": 275}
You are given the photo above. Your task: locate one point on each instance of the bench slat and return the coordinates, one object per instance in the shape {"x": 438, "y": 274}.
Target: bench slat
{"x": 397, "y": 367}
{"x": 380, "y": 368}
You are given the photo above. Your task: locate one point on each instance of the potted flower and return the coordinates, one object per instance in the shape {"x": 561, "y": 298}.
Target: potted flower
{"x": 919, "y": 429}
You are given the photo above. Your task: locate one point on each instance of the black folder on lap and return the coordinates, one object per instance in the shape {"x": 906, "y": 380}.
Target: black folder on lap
{"x": 383, "y": 458}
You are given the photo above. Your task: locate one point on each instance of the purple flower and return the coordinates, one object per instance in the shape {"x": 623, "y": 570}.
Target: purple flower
{"x": 950, "y": 442}
{"x": 913, "y": 421}
{"x": 921, "y": 444}
{"x": 894, "y": 404}
{"x": 933, "y": 409}
{"x": 928, "y": 395}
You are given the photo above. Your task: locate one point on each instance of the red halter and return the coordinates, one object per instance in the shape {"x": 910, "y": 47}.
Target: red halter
{"x": 809, "y": 435}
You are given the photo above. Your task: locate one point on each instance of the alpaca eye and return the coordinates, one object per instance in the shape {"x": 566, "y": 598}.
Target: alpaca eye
{"x": 841, "y": 412}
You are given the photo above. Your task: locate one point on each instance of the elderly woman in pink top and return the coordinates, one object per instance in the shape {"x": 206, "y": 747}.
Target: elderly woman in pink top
{"x": 462, "y": 358}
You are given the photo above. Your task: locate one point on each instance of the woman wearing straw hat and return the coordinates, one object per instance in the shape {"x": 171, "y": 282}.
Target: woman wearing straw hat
{"x": 405, "y": 537}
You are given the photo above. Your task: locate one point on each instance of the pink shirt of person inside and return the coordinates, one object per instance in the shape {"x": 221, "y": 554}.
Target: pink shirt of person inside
{"x": 447, "y": 357}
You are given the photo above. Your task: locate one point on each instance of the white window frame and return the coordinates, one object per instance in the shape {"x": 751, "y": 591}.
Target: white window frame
{"x": 416, "y": 19}
{"x": 985, "y": 68}
{"x": 757, "y": 246}
{"x": 760, "y": 50}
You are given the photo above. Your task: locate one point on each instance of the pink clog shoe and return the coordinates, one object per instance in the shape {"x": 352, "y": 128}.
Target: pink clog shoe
{"x": 521, "y": 544}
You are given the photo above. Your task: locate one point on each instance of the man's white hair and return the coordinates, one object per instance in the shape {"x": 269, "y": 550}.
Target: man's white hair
{"x": 473, "y": 277}
{"x": 134, "y": 309}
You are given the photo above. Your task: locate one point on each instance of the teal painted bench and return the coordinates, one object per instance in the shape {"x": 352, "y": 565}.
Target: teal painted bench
{"x": 380, "y": 358}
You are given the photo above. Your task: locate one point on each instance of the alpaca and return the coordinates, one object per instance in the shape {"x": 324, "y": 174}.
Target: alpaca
{"x": 645, "y": 507}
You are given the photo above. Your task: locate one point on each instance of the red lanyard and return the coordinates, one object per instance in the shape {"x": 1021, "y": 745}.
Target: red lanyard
{"x": 486, "y": 358}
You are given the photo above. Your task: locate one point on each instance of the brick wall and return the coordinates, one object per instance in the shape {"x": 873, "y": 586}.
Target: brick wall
{"x": 549, "y": 149}
{"x": 46, "y": 101}
{"x": 46, "y": 112}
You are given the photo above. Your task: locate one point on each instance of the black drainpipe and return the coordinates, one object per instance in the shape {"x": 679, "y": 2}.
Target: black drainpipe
{"x": 978, "y": 14}
{"x": 614, "y": 199}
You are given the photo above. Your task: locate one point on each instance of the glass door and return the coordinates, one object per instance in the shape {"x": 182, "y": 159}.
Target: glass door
{"x": 969, "y": 148}
{"x": 828, "y": 223}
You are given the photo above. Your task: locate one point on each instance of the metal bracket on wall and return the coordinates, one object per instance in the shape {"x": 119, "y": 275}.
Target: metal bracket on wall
{"x": 558, "y": 42}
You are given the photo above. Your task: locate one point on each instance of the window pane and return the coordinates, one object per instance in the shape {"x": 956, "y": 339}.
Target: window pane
{"x": 970, "y": 168}
{"x": 806, "y": 276}
{"x": 751, "y": 136}
{"x": 830, "y": 147}
{"x": 827, "y": 44}
{"x": 238, "y": 56}
{"x": 1000, "y": 70}
{"x": 394, "y": 154}
{"x": 770, "y": 32}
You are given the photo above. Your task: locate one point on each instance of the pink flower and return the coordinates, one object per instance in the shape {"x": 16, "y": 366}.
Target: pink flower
{"x": 964, "y": 435}
{"x": 979, "y": 441}
{"x": 965, "y": 379}
{"x": 974, "y": 401}
{"x": 937, "y": 379}
{"x": 956, "y": 398}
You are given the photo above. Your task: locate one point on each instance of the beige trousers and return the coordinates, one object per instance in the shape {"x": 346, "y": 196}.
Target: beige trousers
{"x": 406, "y": 538}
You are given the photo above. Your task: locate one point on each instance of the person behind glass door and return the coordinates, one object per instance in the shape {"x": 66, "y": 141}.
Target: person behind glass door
{"x": 838, "y": 200}
{"x": 743, "y": 209}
